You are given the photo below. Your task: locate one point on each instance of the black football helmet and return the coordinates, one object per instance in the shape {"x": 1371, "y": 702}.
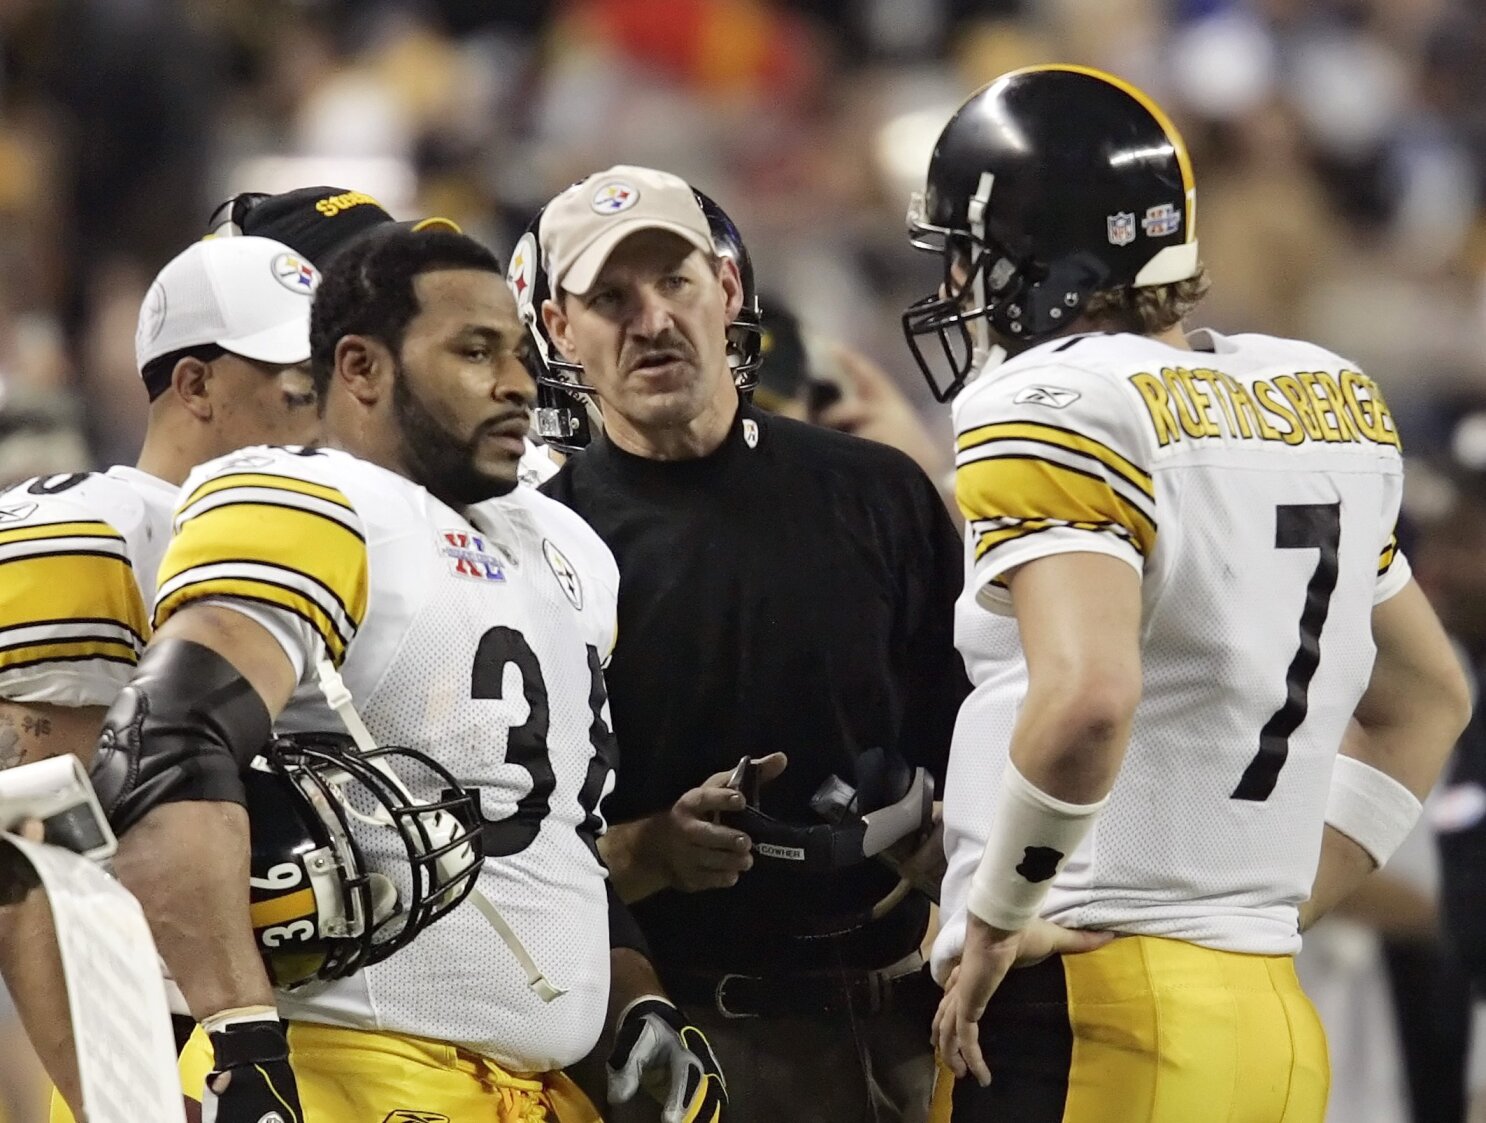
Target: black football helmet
{"x": 1049, "y": 185}
{"x": 567, "y": 414}
{"x": 347, "y": 865}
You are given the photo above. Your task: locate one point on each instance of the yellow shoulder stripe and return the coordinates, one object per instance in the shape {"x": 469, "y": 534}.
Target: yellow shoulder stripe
{"x": 289, "y": 538}
{"x": 17, "y": 656}
{"x": 39, "y": 533}
{"x": 1132, "y": 474}
{"x": 268, "y": 480}
{"x": 63, "y": 588}
{"x": 1031, "y": 489}
{"x": 990, "y": 539}
{"x": 258, "y": 592}
{"x": 1385, "y": 558}
{"x": 289, "y": 557}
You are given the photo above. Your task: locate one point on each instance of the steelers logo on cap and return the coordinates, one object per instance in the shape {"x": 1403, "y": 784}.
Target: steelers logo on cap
{"x": 295, "y": 273}
{"x": 615, "y": 196}
{"x": 152, "y": 315}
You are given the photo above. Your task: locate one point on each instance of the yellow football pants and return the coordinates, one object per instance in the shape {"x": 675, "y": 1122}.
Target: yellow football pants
{"x": 354, "y": 1076}
{"x": 1147, "y": 1031}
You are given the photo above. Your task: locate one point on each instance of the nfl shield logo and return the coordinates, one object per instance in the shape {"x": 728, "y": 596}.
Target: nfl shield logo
{"x": 1121, "y": 228}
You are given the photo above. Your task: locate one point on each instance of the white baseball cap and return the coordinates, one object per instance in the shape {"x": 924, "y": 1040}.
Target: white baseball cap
{"x": 583, "y": 225}
{"x": 250, "y": 296}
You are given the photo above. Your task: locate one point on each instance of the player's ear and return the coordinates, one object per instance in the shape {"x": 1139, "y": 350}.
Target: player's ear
{"x": 732, "y": 287}
{"x": 189, "y": 383}
{"x": 559, "y": 328}
{"x": 364, "y": 366}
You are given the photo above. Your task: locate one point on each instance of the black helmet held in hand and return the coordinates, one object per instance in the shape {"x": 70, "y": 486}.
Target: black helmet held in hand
{"x": 1049, "y": 185}
{"x": 347, "y": 865}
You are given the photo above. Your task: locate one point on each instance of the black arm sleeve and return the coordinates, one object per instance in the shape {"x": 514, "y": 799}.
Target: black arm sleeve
{"x": 182, "y": 730}
{"x": 624, "y": 932}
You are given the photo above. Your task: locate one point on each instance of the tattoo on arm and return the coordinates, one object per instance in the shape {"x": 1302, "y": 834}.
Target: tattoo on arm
{"x": 10, "y": 743}
{"x": 36, "y": 731}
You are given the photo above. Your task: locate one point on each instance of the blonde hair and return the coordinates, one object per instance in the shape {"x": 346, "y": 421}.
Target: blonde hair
{"x": 1148, "y": 310}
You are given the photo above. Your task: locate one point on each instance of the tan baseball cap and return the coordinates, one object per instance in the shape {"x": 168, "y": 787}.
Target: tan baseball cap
{"x": 582, "y": 226}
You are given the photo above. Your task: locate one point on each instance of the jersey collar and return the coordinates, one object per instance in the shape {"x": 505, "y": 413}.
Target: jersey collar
{"x": 143, "y": 481}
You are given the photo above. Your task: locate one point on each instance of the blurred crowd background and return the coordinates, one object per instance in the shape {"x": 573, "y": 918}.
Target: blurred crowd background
{"x": 1340, "y": 148}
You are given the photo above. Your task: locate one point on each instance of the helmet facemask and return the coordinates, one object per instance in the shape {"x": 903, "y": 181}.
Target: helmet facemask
{"x": 979, "y": 276}
{"x": 991, "y": 302}
{"x": 387, "y": 864}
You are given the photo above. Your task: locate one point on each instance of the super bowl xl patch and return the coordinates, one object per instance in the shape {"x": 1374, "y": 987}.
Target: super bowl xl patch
{"x": 470, "y": 556}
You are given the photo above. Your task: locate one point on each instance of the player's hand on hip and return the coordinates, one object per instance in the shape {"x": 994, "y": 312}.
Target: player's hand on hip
{"x": 251, "y": 1081}
{"x": 656, "y": 1049}
{"x": 990, "y": 953}
{"x": 697, "y": 852}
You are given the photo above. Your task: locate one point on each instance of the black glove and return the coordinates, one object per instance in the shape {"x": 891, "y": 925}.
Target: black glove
{"x": 654, "y": 1047}
{"x": 261, "y": 1088}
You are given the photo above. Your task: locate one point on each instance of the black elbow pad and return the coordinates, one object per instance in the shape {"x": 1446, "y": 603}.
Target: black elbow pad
{"x": 184, "y": 729}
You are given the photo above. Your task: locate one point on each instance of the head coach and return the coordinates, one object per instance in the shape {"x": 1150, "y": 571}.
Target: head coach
{"x": 785, "y": 681}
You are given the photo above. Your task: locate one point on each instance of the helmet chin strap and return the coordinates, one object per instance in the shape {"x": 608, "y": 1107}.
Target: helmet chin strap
{"x": 440, "y": 827}
{"x": 984, "y": 355}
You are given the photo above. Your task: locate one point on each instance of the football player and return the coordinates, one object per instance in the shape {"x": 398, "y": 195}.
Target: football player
{"x": 216, "y": 408}
{"x": 470, "y": 619}
{"x": 222, "y": 345}
{"x": 1184, "y": 596}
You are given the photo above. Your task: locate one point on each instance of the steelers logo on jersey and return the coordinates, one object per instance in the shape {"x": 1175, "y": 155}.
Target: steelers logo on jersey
{"x": 563, "y": 570}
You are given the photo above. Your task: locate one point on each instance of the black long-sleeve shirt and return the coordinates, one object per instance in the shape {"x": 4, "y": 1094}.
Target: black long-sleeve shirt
{"x": 792, "y": 592}
{"x": 1459, "y": 819}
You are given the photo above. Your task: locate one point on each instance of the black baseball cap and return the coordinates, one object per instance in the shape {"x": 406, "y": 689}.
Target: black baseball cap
{"x": 317, "y": 222}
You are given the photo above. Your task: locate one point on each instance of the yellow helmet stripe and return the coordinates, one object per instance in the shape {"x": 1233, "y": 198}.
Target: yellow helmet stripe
{"x": 1183, "y": 159}
{"x": 277, "y": 910}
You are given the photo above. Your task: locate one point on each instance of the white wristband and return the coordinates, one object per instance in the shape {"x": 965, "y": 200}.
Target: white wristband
{"x": 1031, "y": 836}
{"x": 238, "y": 1015}
{"x": 1370, "y": 807}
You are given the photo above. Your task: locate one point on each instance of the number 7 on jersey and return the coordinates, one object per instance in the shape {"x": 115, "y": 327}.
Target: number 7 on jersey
{"x": 1298, "y": 526}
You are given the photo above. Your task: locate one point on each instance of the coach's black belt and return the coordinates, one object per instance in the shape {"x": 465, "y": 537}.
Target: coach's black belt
{"x": 806, "y": 993}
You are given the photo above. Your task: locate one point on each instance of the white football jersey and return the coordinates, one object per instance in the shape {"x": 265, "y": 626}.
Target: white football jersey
{"x": 79, "y": 554}
{"x": 1254, "y": 484}
{"x": 477, "y": 638}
